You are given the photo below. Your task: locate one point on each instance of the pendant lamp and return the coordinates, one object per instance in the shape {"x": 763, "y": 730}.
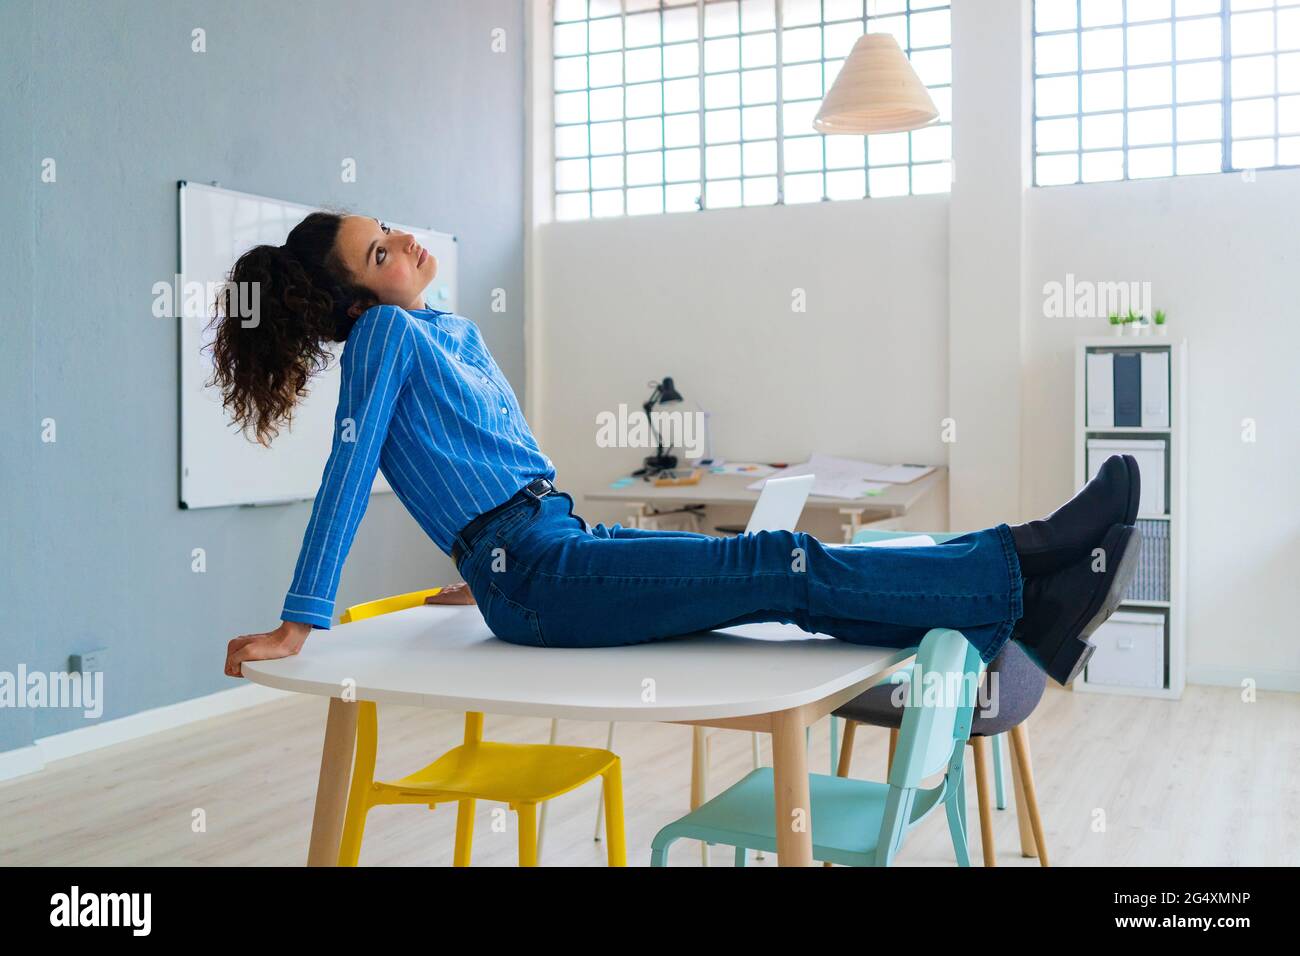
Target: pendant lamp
{"x": 876, "y": 91}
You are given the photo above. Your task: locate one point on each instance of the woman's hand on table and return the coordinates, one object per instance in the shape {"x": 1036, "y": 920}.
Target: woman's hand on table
{"x": 452, "y": 594}
{"x": 285, "y": 641}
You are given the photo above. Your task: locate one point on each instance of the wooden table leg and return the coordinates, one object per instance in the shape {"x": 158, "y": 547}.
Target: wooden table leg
{"x": 700, "y": 777}
{"x": 332, "y": 787}
{"x": 793, "y": 801}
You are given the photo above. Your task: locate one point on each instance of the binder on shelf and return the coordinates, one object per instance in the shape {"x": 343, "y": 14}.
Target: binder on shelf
{"x": 1137, "y": 587}
{"x": 1101, "y": 389}
{"x": 1164, "y": 563}
{"x": 1151, "y": 582}
{"x": 1163, "y": 557}
{"x": 1128, "y": 390}
{"x": 1155, "y": 388}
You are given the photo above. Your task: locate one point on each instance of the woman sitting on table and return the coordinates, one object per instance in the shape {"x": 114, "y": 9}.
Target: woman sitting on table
{"x": 422, "y": 401}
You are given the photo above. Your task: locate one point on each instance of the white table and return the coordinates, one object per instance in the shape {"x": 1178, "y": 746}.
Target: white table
{"x": 772, "y": 678}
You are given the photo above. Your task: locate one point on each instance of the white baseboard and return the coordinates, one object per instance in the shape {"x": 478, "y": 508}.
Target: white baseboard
{"x": 26, "y": 760}
{"x": 20, "y": 762}
{"x": 1232, "y": 677}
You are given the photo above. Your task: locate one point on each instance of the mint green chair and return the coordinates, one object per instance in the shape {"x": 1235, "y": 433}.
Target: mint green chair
{"x": 860, "y": 822}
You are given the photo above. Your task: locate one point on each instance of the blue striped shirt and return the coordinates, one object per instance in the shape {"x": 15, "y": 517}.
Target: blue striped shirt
{"x": 421, "y": 400}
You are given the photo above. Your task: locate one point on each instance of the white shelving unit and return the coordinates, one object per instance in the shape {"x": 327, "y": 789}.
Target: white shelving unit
{"x": 1174, "y": 677}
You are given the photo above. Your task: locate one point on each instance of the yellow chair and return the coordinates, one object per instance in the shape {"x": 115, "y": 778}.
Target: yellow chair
{"x": 521, "y": 775}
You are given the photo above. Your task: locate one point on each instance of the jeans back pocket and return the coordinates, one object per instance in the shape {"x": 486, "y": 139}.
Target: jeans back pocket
{"x": 510, "y": 620}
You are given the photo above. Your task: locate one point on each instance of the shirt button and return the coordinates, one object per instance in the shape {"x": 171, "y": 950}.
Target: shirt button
{"x": 484, "y": 379}
{"x": 503, "y": 410}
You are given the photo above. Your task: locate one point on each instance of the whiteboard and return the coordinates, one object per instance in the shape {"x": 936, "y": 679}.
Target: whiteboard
{"x": 219, "y": 465}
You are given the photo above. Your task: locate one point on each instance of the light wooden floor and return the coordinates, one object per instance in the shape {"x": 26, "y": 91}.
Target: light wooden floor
{"x": 1209, "y": 780}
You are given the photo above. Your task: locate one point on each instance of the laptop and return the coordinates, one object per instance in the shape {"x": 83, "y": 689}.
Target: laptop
{"x": 780, "y": 504}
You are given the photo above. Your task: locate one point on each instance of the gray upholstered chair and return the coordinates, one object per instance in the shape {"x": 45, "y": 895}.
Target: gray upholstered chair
{"x": 1012, "y": 689}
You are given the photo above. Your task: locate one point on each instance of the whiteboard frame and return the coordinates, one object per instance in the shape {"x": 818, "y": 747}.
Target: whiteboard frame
{"x": 380, "y": 485}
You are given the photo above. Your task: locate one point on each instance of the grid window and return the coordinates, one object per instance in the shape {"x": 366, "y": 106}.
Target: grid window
{"x": 1135, "y": 89}
{"x": 673, "y": 105}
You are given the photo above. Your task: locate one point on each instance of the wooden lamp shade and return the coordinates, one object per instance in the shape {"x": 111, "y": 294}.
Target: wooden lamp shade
{"x": 877, "y": 91}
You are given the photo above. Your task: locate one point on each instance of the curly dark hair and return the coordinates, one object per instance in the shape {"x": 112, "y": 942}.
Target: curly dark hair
{"x": 302, "y": 297}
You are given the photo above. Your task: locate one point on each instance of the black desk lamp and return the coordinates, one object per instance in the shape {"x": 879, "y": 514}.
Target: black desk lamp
{"x": 664, "y": 394}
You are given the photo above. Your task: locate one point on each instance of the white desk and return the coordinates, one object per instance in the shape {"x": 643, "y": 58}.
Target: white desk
{"x": 896, "y": 501}
{"x": 772, "y": 678}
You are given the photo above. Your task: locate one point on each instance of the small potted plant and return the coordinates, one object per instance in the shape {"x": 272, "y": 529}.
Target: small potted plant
{"x": 1116, "y": 323}
{"x": 1134, "y": 322}
{"x": 1159, "y": 319}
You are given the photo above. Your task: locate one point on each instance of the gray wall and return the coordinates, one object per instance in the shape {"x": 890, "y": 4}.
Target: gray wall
{"x": 96, "y": 551}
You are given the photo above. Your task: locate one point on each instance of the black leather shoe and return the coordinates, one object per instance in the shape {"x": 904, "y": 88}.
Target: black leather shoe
{"x": 1074, "y": 529}
{"x": 1064, "y": 608}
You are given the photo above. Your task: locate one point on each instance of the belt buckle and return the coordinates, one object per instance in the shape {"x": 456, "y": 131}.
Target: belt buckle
{"x": 549, "y": 488}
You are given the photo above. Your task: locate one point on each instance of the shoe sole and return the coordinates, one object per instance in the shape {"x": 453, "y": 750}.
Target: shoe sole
{"x": 1072, "y": 656}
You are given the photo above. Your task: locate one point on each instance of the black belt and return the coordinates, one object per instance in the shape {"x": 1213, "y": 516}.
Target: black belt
{"x": 537, "y": 488}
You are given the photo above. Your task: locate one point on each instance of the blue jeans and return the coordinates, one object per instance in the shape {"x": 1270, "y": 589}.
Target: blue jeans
{"x": 543, "y": 577}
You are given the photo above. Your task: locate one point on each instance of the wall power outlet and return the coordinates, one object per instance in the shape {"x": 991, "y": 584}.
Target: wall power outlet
{"x": 88, "y": 661}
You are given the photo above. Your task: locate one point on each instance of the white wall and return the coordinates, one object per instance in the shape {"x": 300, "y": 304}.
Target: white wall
{"x": 1222, "y": 259}
{"x": 986, "y": 254}
{"x": 707, "y": 298}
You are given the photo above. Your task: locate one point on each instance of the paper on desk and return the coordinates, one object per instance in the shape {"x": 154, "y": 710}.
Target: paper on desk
{"x": 902, "y": 474}
{"x": 848, "y": 478}
{"x": 835, "y": 477}
{"x": 849, "y": 489}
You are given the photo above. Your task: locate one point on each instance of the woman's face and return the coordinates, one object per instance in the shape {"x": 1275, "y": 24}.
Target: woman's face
{"x": 391, "y": 264}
